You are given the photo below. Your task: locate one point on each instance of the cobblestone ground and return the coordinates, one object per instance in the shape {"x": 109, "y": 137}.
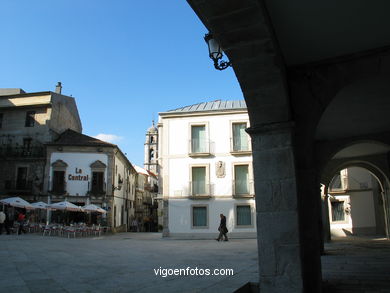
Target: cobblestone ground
{"x": 125, "y": 263}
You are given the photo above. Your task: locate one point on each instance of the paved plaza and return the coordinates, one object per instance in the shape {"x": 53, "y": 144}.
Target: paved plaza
{"x": 123, "y": 262}
{"x": 126, "y": 262}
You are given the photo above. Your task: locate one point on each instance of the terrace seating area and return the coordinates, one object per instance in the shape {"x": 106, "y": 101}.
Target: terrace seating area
{"x": 61, "y": 230}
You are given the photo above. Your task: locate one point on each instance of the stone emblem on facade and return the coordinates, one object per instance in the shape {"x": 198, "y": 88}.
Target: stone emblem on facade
{"x": 220, "y": 169}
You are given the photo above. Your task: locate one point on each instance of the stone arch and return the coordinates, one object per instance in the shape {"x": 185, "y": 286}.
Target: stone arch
{"x": 376, "y": 171}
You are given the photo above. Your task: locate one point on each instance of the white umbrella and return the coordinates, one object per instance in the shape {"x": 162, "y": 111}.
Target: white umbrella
{"x": 17, "y": 202}
{"x": 40, "y": 205}
{"x": 66, "y": 206}
{"x": 94, "y": 208}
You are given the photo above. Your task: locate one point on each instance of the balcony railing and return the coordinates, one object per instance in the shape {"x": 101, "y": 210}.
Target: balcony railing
{"x": 18, "y": 186}
{"x": 243, "y": 188}
{"x": 199, "y": 147}
{"x": 198, "y": 190}
{"x": 98, "y": 189}
{"x": 58, "y": 189}
{"x": 21, "y": 152}
{"x": 237, "y": 147}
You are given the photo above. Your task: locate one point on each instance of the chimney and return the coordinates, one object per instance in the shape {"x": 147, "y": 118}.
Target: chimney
{"x": 58, "y": 88}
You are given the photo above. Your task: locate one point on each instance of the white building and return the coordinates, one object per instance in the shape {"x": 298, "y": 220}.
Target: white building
{"x": 206, "y": 169}
{"x": 83, "y": 170}
{"x": 355, "y": 204}
{"x": 145, "y": 200}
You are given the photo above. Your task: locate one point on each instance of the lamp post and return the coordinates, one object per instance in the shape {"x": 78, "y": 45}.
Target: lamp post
{"x": 215, "y": 53}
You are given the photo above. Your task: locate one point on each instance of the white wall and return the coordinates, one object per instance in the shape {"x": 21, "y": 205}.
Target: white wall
{"x": 180, "y": 216}
{"x": 79, "y": 161}
{"x": 361, "y": 219}
{"x": 176, "y": 172}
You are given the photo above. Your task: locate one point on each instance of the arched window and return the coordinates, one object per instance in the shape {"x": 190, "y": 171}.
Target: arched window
{"x": 151, "y": 154}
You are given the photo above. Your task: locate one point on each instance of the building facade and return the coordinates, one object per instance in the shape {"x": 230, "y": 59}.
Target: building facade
{"x": 27, "y": 122}
{"x": 84, "y": 170}
{"x": 145, "y": 203}
{"x": 355, "y": 204}
{"x": 206, "y": 169}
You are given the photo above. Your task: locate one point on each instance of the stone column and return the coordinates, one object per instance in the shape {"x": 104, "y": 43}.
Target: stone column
{"x": 279, "y": 249}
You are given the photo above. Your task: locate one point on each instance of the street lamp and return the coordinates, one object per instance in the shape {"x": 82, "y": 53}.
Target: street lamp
{"x": 215, "y": 53}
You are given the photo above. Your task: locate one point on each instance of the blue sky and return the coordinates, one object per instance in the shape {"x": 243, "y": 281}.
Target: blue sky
{"x": 123, "y": 60}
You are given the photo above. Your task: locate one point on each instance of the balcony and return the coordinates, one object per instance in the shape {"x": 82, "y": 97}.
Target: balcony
{"x": 237, "y": 147}
{"x": 21, "y": 152}
{"x": 98, "y": 190}
{"x": 58, "y": 189}
{"x": 199, "y": 148}
{"x": 18, "y": 187}
{"x": 199, "y": 191}
{"x": 243, "y": 189}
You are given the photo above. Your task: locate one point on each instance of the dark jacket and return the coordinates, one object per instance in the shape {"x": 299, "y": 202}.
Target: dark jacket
{"x": 222, "y": 225}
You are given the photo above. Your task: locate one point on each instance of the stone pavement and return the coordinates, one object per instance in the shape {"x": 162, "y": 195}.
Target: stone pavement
{"x": 356, "y": 265}
{"x": 125, "y": 262}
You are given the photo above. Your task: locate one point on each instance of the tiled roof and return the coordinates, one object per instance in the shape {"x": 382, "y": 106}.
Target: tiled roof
{"x": 140, "y": 170}
{"x": 217, "y": 105}
{"x": 74, "y": 138}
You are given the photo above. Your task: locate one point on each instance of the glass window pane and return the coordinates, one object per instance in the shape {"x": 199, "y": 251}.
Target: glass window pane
{"x": 199, "y": 216}
{"x": 240, "y": 137}
{"x": 198, "y": 139}
{"x": 198, "y": 180}
{"x": 244, "y": 217}
{"x": 241, "y": 181}
{"x": 338, "y": 211}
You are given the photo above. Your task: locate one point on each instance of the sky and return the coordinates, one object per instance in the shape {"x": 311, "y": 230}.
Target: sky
{"x": 124, "y": 61}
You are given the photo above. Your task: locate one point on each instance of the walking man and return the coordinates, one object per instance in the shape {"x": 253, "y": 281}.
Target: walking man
{"x": 222, "y": 229}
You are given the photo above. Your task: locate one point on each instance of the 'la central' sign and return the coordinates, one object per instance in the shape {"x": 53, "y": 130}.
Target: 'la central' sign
{"x": 78, "y": 177}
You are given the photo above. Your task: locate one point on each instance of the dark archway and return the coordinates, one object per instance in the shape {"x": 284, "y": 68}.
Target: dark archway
{"x": 292, "y": 73}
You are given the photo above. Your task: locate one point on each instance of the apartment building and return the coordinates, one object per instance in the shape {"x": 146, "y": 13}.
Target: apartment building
{"x": 205, "y": 169}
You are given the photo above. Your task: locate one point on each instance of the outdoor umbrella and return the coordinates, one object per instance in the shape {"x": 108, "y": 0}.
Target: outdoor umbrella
{"x": 40, "y": 205}
{"x": 17, "y": 202}
{"x": 94, "y": 208}
{"x": 66, "y": 206}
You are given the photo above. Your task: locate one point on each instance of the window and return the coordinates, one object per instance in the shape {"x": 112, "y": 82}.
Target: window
{"x": 338, "y": 213}
{"x": 243, "y": 215}
{"x": 26, "y": 151}
{"x": 21, "y": 178}
{"x": 97, "y": 182}
{"x": 30, "y": 119}
{"x": 1, "y": 120}
{"x": 151, "y": 154}
{"x": 198, "y": 139}
{"x": 58, "y": 182}
{"x": 241, "y": 179}
{"x": 198, "y": 183}
{"x": 240, "y": 137}
{"x": 199, "y": 216}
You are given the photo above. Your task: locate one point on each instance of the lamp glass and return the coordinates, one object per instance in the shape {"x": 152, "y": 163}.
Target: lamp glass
{"x": 214, "y": 49}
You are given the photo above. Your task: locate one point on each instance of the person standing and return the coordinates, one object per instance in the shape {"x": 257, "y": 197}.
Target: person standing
{"x": 21, "y": 218}
{"x": 2, "y": 221}
{"x": 222, "y": 229}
